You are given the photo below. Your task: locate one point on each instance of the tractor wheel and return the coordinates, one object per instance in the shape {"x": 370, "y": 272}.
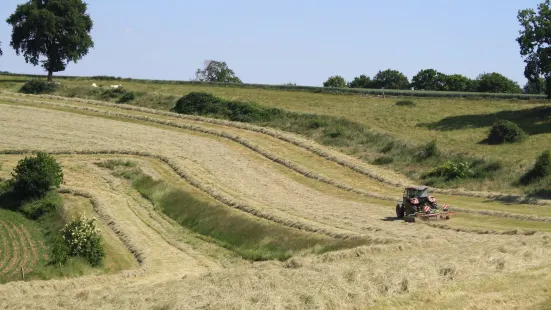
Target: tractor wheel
{"x": 400, "y": 211}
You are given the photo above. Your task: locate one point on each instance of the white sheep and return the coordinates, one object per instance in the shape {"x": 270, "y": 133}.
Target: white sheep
{"x": 116, "y": 86}
{"x": 94, "y": 85}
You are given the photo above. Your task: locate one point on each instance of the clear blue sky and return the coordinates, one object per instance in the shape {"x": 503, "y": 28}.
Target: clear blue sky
{"x": 303, "y": 42}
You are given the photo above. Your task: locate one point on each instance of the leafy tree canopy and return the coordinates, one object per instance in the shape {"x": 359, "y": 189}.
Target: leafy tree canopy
{"x": 534, "y": 41}
{"x": 391, "y": 79}
{"x": 59, "y": 30}
{"x": 458, "y": 82}
{"x": 429, "y": 79}
{"x": 496, "y": 83}
{"x": 363, "y": 81}
{"x": 335, "y": 81}
{"x": 216, "y": 71}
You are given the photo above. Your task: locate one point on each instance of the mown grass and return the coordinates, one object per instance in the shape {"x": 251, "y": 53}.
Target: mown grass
{"x": 252, "y": 238}
{"x": 35, "y": 233}
{"x": 46, "y": 226}
{"x": 378, "y": 131}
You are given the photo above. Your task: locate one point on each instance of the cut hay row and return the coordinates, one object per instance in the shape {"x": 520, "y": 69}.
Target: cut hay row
{"x": 16, "y": 249}
{"x": 225, "y": 199}
{"x": 5, "y": 251}
{"x": 100, "y": 210}
{"x": 324, "y": 152}
{"x": 481, "y": 231}
{"x": 34, "y": 248}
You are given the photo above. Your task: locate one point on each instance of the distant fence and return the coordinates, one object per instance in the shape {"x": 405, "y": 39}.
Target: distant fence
{"x": 312, "y": 89}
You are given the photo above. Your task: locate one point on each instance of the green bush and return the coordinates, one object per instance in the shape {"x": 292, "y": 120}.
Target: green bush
{"x": 541, "y": 169}
{"x": 33, "y": 177}
{"x": 82, "y": 238}
{"x": 383, "y": 160}
{"x": 34, "y": 209}
{"x": 128, "y": 96}
{"x": 452, "y": 170}
{"x": 408, "y": 103}
{"x": 504, "y": 131}
{"x": 429, "y": 150}
{"x": 206, "y": 104}
{"x": 198, "y": 103}
{"x": 38, "y": 87}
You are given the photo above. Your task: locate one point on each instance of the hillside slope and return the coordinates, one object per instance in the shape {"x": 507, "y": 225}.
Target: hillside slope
{"x": 290, "y": 182}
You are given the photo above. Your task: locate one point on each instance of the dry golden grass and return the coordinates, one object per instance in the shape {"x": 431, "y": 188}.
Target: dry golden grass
{"x": 303, "y": 189}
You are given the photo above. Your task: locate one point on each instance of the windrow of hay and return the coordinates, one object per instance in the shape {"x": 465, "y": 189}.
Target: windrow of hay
{"x": 324, "y": 152}
{"x": 223, "y": 198}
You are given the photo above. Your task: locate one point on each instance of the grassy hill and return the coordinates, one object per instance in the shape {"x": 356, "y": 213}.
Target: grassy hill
{"x": 373, "y": 128}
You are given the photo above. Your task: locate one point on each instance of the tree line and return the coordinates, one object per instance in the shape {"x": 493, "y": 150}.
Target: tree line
{"x": 433, "y": 80}
{"x": 56, "y": 32}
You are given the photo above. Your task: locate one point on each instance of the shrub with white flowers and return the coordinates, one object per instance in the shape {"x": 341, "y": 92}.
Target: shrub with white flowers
{"x": 82, "y": 238}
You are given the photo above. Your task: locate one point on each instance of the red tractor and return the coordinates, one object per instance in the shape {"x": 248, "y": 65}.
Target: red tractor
{"x": 418, "y": 203}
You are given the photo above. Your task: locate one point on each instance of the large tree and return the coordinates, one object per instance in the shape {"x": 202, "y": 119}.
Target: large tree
{"x": 458, "y": 82}
{"x": 362, "y": 81}
{"x": 335, "y": 81}
{"x": 496, "y": 83}
{"x": 536, "y": 86}
{"x": 391, "y": 79}
{"x": 59, "y": 30}
{"x": 535, "y": 42}
{"x": 428, "y": 79}
{"x": 216, "y": 71}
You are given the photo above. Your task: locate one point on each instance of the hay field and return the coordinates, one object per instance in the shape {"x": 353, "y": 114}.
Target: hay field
{"x": 275, "y": 178}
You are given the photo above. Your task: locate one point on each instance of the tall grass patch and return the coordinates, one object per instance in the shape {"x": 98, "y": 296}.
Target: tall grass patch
{"x": 252, "y": 238}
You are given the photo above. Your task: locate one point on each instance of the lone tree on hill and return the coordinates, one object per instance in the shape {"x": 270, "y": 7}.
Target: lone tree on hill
{"x": 59, "y": 30}
{"x": 534, "y": 38}
{"x": 216, "y": 71}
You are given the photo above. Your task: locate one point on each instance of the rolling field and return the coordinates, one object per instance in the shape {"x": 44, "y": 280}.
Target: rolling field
{"x": 458, "y": 125}
{"x": 221, "y": 215}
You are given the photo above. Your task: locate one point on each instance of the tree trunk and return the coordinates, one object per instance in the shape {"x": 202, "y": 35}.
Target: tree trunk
{"x": 50, "y": 75}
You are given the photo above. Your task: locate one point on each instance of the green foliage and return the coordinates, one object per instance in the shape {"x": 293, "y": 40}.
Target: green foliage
{"x": 363, "y": 81}
{"x": 36, "y": 208}
{"x": 429, "y": 79}
{"x": 81, "y": 238}
{"x": 407, "y": 103}
{"x": 335, "y": 81}
{"x": 127, "y": 97}
{"x": 504, "y": 131}
{"x": 533, "y": 40}
{"x": 537, "y": 86}
{"x": 452, "y": 170}
{"x": 383, "y": 160}
{"x": 458, "y": 83}
{"x": 57, "y": 29}
{"x": 36, "y": 86}
{"x": 429, "y": 150}
{"x": 541, "y": 169}
{"x": 112, "y": 163}
{"x": 35, "y": 176}
{"x": 391, "y": 79}
{"x": 216, "y": 71}
{"x": 496, "y": 83}
{"x": 206, "y": 104}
